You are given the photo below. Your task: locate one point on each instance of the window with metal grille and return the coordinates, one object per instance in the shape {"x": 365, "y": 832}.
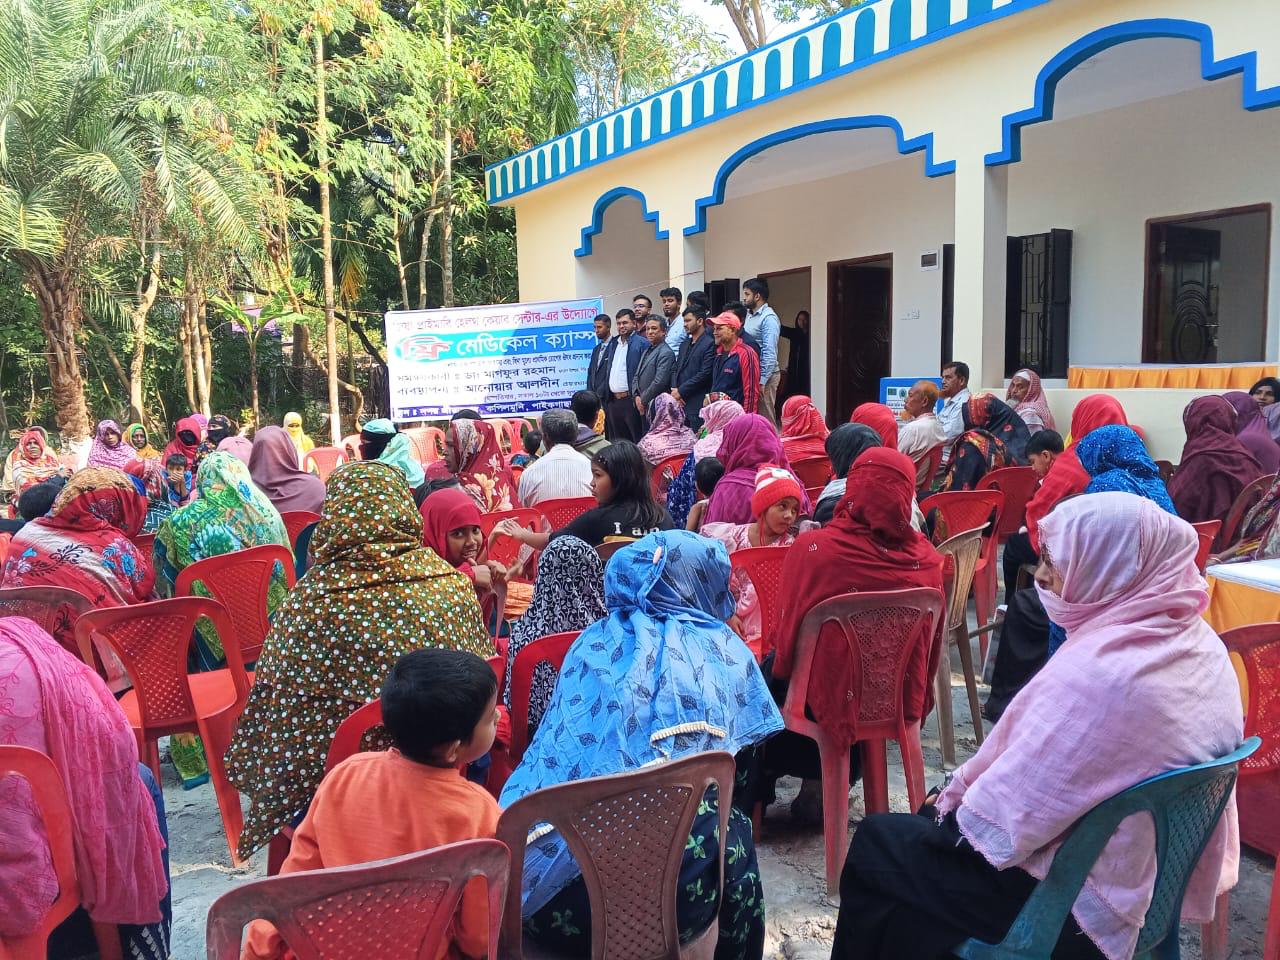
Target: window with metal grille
{"x": 1038, "y": 303}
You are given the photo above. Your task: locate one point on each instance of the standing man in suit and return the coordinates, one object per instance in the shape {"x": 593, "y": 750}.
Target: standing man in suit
{"x": 691, "y": 375}
{"x": 620, "y": 363}
{"x": 654, "y": 375}
{"x": 597, "y": 373}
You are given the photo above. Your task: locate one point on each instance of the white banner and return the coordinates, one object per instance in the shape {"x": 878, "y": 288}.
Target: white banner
{"x": 501, "y": 360}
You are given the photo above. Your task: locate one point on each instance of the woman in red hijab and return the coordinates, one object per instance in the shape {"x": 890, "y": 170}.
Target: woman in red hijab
{"x": 1215, "y": 465}
{"x": 804, "y": 431}
{"x": 186, "y": 440}
{"x": 880, "y": 419}
{"x": 870, "y": 544}
{"x": 451, "y": 527}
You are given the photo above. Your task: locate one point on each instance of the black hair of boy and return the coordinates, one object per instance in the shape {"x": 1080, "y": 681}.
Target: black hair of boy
{"x": 35, "y": 501}
{"x": 532, "y": 441}
{"x": 706, "y": 474}
{"x": 432, "y": 698}
{"x": 176, "y": 461}
{"x": 1045, "y": 441}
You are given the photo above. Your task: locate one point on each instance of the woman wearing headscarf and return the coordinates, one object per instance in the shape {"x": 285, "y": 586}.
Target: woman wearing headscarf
{"x": 273, "y": 465}
{"x": 1119, "y": 574}
{"x": 1253, "y": 432}
{"x": 1117, "y": 462}
{"x": 373, "y": 593}
{"x": 748, "y": 444}
{"x": 292, "y": 424}
{"x": 135, "y": 435}
{"x": 1259, "y": 535}
{"x": 185, "y": 442}
{"x": 870, "y": 544}
{"x": 879, "y": 418}
{"x": 668, "y": 435}
{"x": 1215, "y": 465}
{"x": 473, "y": 455}
{"x": 33, "y": 462}
{"x": 1266, "y": 392}
{"x": 994, "y": 437}
{"x": 683, "y": 683}
{"x": 804, "y": 429}
{"x": 682, "y": 492}
{"x": 1026, "y": 396}
{"x": 374, "y": 437}
{"x": 57, "y": 705}
{"x": 218, "y": 429}
{"x": 150, "y": 480}
{"x": 845, "y": 444}
{"x": 451, "y": 527}
{"x": 398, "y": 452}
{"x": 109, "y": 448}
{"x": 568, "y": 595}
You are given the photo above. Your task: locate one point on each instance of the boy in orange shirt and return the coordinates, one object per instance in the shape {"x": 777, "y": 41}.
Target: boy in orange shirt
{"x": 440, "y": 709}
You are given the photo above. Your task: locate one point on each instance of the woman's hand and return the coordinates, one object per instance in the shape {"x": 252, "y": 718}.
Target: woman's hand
{"x": 497, "y": 572}
{"x": 510, "y": 528}
{"x": 482, "y": 576}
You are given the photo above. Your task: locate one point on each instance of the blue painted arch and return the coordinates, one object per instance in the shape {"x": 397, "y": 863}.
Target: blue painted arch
{"x": 596, "y": 226}
{"x": 924, "y": 142}
{"x": 1245, "y": 64}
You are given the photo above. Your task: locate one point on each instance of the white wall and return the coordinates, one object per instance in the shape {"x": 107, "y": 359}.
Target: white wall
{"x": 1104, "y": 175}
{"x": 625, "y": 258}
{"x": 892, "y": 208}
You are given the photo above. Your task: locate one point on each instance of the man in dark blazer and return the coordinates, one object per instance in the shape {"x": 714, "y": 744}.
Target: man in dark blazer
{"x": 691, "y": 375}
{"x": 654, "y": 373}
{"x": 619, "y": 365}
{"x": 597, "y": 372}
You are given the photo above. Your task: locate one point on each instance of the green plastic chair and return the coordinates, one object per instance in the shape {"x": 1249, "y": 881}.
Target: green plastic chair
{"x": 1185, "y": 806}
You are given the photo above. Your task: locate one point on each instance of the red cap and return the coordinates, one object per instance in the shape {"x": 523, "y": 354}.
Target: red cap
{"x": 727, "y": 319}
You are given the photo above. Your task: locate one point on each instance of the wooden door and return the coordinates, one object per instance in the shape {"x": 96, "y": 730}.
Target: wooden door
{"x": 1182, "y": 322}
{"x": 859, "y": 332}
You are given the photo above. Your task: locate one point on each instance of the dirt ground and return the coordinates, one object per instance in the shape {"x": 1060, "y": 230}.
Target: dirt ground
{"x": 800, "y": 917}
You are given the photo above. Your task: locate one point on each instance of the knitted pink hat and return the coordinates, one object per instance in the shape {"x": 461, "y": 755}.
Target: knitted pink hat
{"x": 773, "y": 484}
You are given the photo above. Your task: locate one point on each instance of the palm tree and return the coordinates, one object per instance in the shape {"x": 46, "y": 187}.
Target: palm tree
{"x": 104, "y": 125}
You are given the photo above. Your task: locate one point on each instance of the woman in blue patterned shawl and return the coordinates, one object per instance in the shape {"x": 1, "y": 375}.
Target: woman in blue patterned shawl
{"x": 660, "y": 678}
{"x": 1117, "y": 460}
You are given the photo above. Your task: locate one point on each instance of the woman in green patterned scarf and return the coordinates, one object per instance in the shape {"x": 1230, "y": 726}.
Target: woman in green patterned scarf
{"x": 373, "y": 593}
{"x": 228, "y": 514}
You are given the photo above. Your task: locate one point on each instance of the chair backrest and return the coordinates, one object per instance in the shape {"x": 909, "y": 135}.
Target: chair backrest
{"x": 1207, "y": 531}
{"x": 1184, "y": 806}
{"x": 325, "y": 460}
{"x": 882, "y": 630}
{"x": 50, "y": 797}
{"x": 428, "y": 443}
{"x": 1257, "y": 647}
{"x": 628, "y": 834}
{"x": 351, "y": 446}
{"x": 152, "y": 641}
{"x": 145, "y": 543}
{"x": 402, "y": 907}
{"x": 1019, "y": 485}
{"x": 610, "y": 547}
{"x": 521, "y": 427}
{"x": 508, "y": 435}
{"x": 55, "y": 609}
{"x": 763, "y": 567}
{"x": 294, "y": 523}
{"x": 302, "y": 550}
{"x": 551, "y": 650}
{"x": 964, "y": 549}
{"x": 665, "y": 472}
{"x": 504, "y": 550}
{"x": 239, "y": 581}
{"x": 813, "y": 493}
{"x": 1248, "y": 499}
{"x": 961, "y": 510}
{"x": 934, "y": 465}
{"x": 812, "y": 471}
{"x": 562, "y": 511}
{"x": 346, "y": 739}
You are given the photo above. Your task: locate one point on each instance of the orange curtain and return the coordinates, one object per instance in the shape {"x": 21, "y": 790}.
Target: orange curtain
{"x": 1184, "y": 378}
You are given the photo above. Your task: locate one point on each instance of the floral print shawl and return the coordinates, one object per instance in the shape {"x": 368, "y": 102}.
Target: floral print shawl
{"x": 474, "y": 455}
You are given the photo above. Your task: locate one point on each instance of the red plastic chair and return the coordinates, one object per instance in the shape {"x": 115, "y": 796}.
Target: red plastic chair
{"x": 508, "y": 435}
{"x": 152, "y": 641}
{"x": 964, "y": 510}
{"x": 295, "y": 521}
{"x": 763, "y": 567}
{"x": 521, "y": 427}
{"x": 239, "y": 581}
{"x": 564, "y": 510}
{"x": 1247, "y": 500}
{"x": 812, "y": 471}
{"x": 882, "y": 631}
{"x": 145, "y": 544}
{"x": 813, "y": 493}
{"x": 628, "y": 834}
{"x": 55, "y": 609}
{"x": 351, "y": 447}
{"x": 1208, "y": 533}
{"x": 325, "y": 460}
{"x": 401, "y": 907}
{"x": 505, "y": 550}
{"x": 934, "y": 465}
{"x": 664, "y": 474}
{"x": 49, "y": 795}
{"x": 428, "y": 443}
{"x": 1019, "y": 485}
{"x": 551, "y": 649}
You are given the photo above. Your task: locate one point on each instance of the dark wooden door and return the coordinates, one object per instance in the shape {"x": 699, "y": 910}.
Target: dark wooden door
{"x": 859, "y": 333}
{"x": 1183, "y": 314}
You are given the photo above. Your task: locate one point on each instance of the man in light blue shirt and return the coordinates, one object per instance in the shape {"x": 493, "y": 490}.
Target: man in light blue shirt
{"x": 672, "y": 300}
{"x": 763, "y": 324}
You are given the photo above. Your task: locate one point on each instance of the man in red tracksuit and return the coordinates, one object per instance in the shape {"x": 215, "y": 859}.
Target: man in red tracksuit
{"x": 735, "y": 373}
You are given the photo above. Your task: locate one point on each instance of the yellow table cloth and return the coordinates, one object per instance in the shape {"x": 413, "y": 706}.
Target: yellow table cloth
{"x": 1229, "y": 376}
{"x": 1238, "y": 604}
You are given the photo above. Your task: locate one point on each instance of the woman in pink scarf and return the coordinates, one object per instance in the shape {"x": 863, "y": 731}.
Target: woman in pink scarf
{"x": 668, "y": 434}
{"x": 749, "y": 443}
{"x": 715, "y": 417}
{"x": 1253, "y": 432}
{"x": 109, "y": 448}
{"x": 1026, "y": 396}
{"x": 51, "y": 702}
{"x": 1142, "y": 686}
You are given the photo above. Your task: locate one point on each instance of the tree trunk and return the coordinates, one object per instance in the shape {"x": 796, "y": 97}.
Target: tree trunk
{"x": 184, "y": 335}
{"x": 326, "y": 240}
{"x": 147, "y": 288}
{"x": 446, "y": 209}
{"x": 423, "y": 247}
{"x": 206, "y": 356}
{"x": 400, "y": 274}
{"x": 59, "y": 302}
{"x": 193, "y": 308}
{"x": 252, "y": 340}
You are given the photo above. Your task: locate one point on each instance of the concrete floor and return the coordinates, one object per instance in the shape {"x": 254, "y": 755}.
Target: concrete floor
{"x": 800, "y": 916}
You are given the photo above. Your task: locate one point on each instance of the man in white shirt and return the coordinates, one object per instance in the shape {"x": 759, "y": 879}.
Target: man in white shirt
{"x": 621, "y": 420}
{"x": 921, "y": 432}
{"x": 955, "y": 393}
{"x": 562, "y": 471}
